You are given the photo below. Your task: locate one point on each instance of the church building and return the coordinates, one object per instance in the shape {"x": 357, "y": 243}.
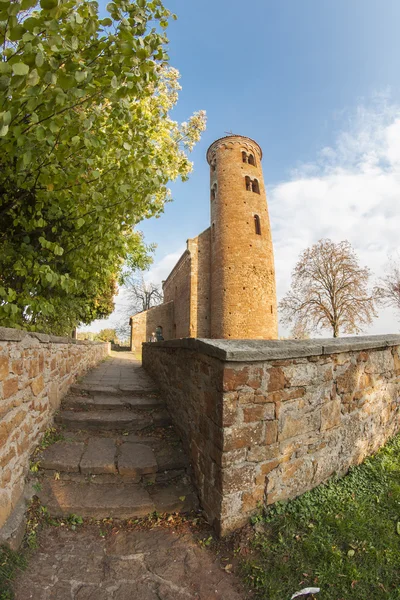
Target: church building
{"x": 223, "y": 285}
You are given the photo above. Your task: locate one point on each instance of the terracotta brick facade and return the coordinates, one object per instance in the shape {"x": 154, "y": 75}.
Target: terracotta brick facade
{"x": 267, "y": 421}
{"x": 36, "y": 371}
{"x": 223, "y": 286}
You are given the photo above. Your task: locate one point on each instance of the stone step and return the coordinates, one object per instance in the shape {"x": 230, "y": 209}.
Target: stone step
{"x": 117, "y": 501}
{"x": 106, "y": 455}
{"x": 122, "y": 420}
{"x": 109, "y": 402}
{"x": 129, "y": 389}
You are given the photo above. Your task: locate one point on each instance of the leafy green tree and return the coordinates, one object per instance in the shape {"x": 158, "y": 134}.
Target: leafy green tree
{"x": 87, "y": 148}
{"x": 107, "y": 335}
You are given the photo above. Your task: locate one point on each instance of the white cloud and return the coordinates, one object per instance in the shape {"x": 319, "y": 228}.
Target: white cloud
{"x": 351, "y": 191}
{"x": 160, "y": 270}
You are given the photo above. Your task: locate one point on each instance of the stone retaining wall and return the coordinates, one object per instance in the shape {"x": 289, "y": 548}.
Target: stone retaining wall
{"x": 267, "y": 420}
{"x": 36, "y": 371}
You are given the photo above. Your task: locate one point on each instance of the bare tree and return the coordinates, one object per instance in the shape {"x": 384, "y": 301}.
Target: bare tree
{"x": 140, "y": 295}
{"x": 388, "y": 288}
{"x": 329, "y": 290}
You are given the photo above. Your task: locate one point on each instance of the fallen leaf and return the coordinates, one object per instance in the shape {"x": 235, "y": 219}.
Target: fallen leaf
{"x": 228, "y": 568}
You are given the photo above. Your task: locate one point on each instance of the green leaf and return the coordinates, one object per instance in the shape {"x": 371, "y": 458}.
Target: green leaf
{"x": 5, "y": 67}
{"x": 39, "y": 60}
{"x": 20, "y": 68}
{"x": 6, "y": 118}
{"x": 16, "y": 33}
{"x": 26, "y": 4}
{"x": 398, "y": 527}
{"x": 80, "y": 222}
{"x": 33, "y": 78}
{"x": 3, "y": 130}
{"x": 48, "y": 4}
{"x": 80, "y": 76}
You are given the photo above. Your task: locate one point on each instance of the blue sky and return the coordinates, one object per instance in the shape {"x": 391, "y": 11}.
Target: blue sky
{"x": 316, "y": 83}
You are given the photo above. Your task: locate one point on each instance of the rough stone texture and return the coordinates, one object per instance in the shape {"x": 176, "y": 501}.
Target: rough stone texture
{"x": 99, "y": 456}
{"x": 103, "y": 420}
{"x": 132, "y": 565}
{"x": 274, "y": 426}
{"x": 223, "y": 285}
{"x": 36, "y": 371}
{"x": 63, "y": 456}
{"x": 136, "y": 459}
{"x": 95, "y": 500}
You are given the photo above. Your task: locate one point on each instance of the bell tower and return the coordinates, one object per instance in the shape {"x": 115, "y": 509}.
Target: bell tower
{"x": 243, "y": 292}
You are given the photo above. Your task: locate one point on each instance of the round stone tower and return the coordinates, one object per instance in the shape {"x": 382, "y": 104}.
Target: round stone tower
{"x": 243, "y": 293}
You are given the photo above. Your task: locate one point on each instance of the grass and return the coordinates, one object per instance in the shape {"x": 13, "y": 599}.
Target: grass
{"x": 343, "y": 537}
{"x": 10, "y": 563}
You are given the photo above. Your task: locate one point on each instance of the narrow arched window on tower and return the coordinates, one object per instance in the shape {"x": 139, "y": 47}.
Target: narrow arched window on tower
{"x": 244, "y": 157}
{"x": 252, "y": 160}
{"x": 257, "y": 224}
{"x": 256, "y": 187}
{"x": 214, "y": 191}
{"x": 248, "y": 183}
{"x": 213, "y": 165}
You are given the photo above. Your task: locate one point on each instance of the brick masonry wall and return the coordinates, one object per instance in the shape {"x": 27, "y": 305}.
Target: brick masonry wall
{"x": 269, "y": 424}
{"x": 200, "y": 293}
{"x": 36, "y": 371}
{"x": 177, "y": 289}
{"x": 243, "y": 295}
{"x": 144, "y": 324}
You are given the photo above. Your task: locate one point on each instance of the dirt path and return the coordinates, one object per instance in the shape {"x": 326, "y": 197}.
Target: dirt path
{"x": 125, "y": 565}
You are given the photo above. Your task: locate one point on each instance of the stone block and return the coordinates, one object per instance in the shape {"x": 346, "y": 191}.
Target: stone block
{"x": 237, "y": 478}
{"x": 136, "y": 459}
{"x": 271, "y": 432}
{"x": 258, "y": 412}
{"x": 277, "y": 379}
{"x": 99, "y": 456}
{"x": 4, "y": 368}
{"x": 331, "y": 414}
{"x": 244, "y": 436}
{"x": 10, "y": 387}
{"x": 296, "y": 422}
{"x": 37, "y": 385}
{"x": 62, "y": 456}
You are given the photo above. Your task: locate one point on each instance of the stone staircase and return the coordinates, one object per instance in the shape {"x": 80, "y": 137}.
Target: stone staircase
{"x": 120, "y": 456}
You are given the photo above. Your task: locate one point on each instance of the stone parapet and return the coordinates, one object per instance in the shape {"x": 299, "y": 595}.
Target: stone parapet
{"x": 36, "y": 371}
{"x": 265, "y": 421}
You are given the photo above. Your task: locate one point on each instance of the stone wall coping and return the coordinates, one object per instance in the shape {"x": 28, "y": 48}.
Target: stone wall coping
{"x": 8, "y": 334}
{"x": 262, "y": 350}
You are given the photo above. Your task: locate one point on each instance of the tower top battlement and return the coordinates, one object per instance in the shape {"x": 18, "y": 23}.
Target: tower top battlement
{"x": 233, "y": 138}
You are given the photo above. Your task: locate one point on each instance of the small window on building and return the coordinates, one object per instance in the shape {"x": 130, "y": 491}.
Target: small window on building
{"x": 256, "y": 187}
{"x": 248, "y": 183}
{"x": 214, "y": 191}
{"x": 213, "y": 165}
{"x": 252, "y": 160}
{"x": 244, "y": 157}
{"x": 257, "y": 224}
{"x": 213, "y": 231}
{"x": 159, "y": 333}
